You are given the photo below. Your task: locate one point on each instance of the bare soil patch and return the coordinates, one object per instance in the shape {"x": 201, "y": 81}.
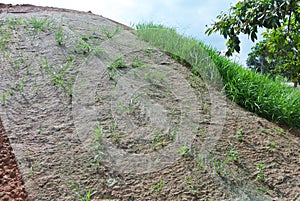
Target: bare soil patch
{"x": 88, "y": 107}
{"x": 11, "y": 185}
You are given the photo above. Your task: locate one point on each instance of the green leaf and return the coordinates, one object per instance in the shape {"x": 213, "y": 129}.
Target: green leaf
{"x": 253, "y": 36}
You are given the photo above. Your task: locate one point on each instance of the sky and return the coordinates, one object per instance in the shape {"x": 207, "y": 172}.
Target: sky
{"x": 189, "y": 17}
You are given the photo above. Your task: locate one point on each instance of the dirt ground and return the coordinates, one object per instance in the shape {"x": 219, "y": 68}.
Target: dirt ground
{"x": 89, "y": 109}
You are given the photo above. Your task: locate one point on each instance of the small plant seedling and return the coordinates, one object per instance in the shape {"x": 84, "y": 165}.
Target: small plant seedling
{"x": 111, "y": 73}
{"x": 98, "y": 137}
{"x": 121, "y": 107}
{"x": 117, "y": 138}
{"x": 260, "y": 176}
{"x": 119, "y": 63}
{"x": 3, "y": 98}
{"x": 158, "y": 186}
{"x": 40, "y": 130}
{"x": 98, "y": 133}
{"x": 113, "y": 126}
{"x": 112, "y": 68}
{"x": 131, "y": 107}
{"x": 137, "y": 63}
{"x": 184, "y": 151}
{"x": 161, "y": 138}
{"x": 84, "y": 38}
{"x": 59, "y": 36}
{"x": 273, "y": 145}
{"x": 21, "y": 85}
{"x": 190, "y": 185}
{"x": 82, "y": 47}
{"x": 154, "y": 77}
{"x": 219, "y": 165}
{"x": 158, "y": 138}
{"x": 232, "y": 154}
{"x": 280, "y": 130}
{"x": 204, "y": 106}
{"x": 200, "y": 165}
{"x": 172, "y": 137}
{"x": 263, "y": 130}
{"x": 10, "y": 92}
{"x": 202, "y": 132}
{"x": 149, "y": 52}
{"x": 88, "y": 195}
{"x": 260, "y": 190}
{"x": 109, "y": 34}
{"x": 239, "y": 134}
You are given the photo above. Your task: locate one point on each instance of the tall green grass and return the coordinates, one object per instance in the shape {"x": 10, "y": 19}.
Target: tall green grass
{"x": 184, "y": 49}
{"x": 259, "y": 93}
{"x": 255, "y": 92}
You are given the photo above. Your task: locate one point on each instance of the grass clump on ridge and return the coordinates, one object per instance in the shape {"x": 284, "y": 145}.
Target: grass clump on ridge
{"x": 255, "y": 92}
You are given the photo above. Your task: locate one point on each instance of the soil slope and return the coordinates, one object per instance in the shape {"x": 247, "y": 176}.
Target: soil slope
{"x": 91, "y": 110}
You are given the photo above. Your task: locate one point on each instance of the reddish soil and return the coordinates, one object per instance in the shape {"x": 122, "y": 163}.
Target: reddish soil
{"x": 11, "y": 183}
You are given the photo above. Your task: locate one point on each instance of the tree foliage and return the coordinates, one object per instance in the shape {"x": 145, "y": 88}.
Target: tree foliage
{"x": 279, "y": 51}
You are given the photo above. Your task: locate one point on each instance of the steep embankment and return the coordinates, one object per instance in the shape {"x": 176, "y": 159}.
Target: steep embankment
{"x": 93, "y": 111}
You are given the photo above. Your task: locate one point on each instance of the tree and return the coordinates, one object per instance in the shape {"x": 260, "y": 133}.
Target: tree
{"x": 258, "y": 59}
{"x": 279, "y": 50}
{"x": 278, "y": 53}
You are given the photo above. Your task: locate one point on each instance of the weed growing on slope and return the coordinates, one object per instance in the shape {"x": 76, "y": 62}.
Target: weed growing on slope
{"x": 98, "y": 143}
{"x": 239, "y": 135}
{"x": 260, "y": 176}
{"x": 116, "y": 137}
{"x": 158, "y": 140}
{"x": 3, "y": 98}
{"x": 219, "y": 164}
{"x": 21, "y": 85}
{"x": 82, "y": 47}
{"x": 158, "y": 187}
{"x": 184, "y": 151}
{"x": 36, "y": 25}
{"x": 272, "y": 145}
{"x": 59, "y": 36}
{"x": 193, "y": 185}
{"x": 113, "y": 125}
{"x": 137, "y": 63}
{"x": 232, "y": 154}
{"x": 112, "y": 69}
{"x": 88, "y": 195}
{"x": 59, "y": 76}
{"x": 201, "y": 165}
{"x": 110, "y": 34}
